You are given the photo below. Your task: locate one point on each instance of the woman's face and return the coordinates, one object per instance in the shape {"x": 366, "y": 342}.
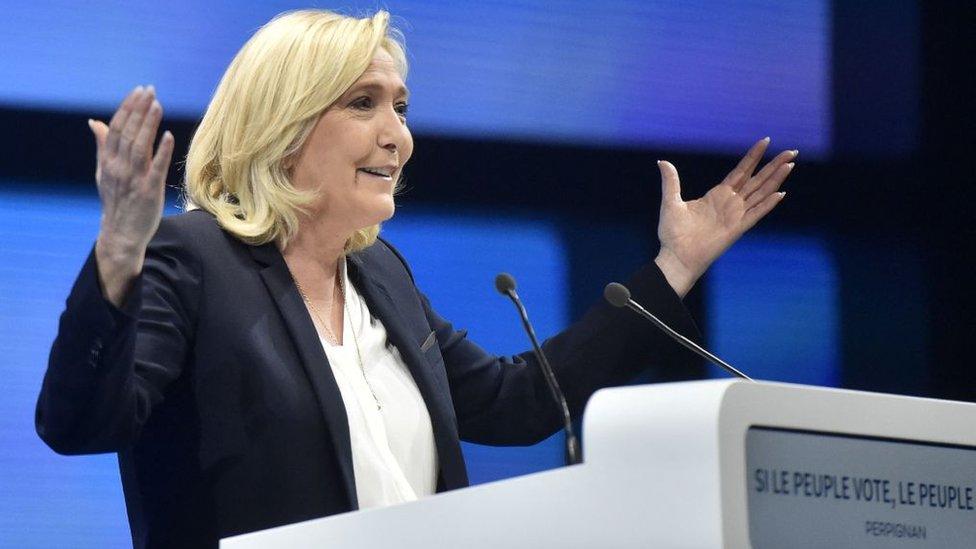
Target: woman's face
{"x": 357, "y": 149}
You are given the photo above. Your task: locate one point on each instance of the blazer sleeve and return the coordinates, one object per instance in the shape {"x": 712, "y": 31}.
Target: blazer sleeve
{"x": 505, "y": 401}
{"x": 108, "y": 367}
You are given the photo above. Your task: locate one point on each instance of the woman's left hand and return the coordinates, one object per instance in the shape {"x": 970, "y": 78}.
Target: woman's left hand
{"x": 693, "y": 234}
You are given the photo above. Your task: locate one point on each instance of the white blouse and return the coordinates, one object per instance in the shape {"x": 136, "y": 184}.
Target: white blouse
{"x": 393, "y": 454}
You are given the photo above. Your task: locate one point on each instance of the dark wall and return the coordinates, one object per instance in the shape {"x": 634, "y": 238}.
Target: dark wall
{"x": 946, "y": 182}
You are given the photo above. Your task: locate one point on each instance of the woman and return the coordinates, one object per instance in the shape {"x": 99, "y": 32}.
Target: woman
{"x": 263, "y": 358}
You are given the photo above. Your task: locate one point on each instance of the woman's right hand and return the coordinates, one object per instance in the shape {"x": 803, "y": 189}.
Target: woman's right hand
{"x": 131, "y": 185}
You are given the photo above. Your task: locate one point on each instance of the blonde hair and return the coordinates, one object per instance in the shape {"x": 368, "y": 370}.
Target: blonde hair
{"x": 262, "y": 112}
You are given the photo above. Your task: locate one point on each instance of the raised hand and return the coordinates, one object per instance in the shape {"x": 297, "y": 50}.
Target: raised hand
{"x": 131, "y": 184}
{"x": 694, "y": 234}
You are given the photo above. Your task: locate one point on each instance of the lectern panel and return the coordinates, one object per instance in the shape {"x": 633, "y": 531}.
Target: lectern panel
{"x": 810, "y": 489}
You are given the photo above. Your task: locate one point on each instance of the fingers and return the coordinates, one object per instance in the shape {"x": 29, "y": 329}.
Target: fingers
{"x": 759, "y": 211}
{"x": 743, "y": 171}
{"x": 99, "y": 131}
{"x": 769, "y": 186}
{"x": 160, "y": 162}
{"x": 134, "y": 122}
{"x": 767, "y": 170}
{"x": 129, "y": 137}
{"x": 670, "y": 184}
{"x": 143, "y": 144}
{"x": 119, "y": 119}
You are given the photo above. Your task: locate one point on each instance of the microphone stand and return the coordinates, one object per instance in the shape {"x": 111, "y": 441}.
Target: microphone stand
{"x": 619, "y": 296}
{"x": 505, "y": 285}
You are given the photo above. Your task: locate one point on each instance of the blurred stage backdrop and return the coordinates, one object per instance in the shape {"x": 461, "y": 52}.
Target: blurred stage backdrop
{"x": 537, "y": 125}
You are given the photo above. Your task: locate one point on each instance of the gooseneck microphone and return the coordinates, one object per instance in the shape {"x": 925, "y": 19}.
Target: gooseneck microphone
{"x": 505, "y": 285}
{"x": 619, "y": 296}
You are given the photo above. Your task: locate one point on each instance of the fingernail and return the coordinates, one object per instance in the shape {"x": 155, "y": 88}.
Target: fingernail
{"x": 790, "y": 166}
{"x": 138, "y": 90}
{"x": 796, "y": 152}
{"x": 151, "y": 89}
{"x": 91, "y": 123}
{"x": 766, "y": 139}
{"x": 782, "y": 194}
{"x": 156, "y": 105}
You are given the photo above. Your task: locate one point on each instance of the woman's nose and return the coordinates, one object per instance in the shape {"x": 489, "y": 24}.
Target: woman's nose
{"x": 393, "y": 133}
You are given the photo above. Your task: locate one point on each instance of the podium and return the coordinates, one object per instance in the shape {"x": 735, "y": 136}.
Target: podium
{"x": 707, "y": 464}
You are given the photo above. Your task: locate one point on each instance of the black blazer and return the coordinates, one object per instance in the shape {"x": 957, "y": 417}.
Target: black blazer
{"x": 213, "y": 387}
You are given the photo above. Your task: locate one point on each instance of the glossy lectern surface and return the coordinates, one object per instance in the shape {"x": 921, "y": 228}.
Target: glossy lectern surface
{"x": 708, "y": 464}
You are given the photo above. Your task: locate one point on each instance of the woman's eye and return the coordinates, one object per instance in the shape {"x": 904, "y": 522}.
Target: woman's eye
{"x": 401, "y": 109}
{"x": 363, "y": 103}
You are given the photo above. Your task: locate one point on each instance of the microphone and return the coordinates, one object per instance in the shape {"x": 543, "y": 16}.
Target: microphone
{"x": 619, "y": 296}
{"x": 505, "y": 285}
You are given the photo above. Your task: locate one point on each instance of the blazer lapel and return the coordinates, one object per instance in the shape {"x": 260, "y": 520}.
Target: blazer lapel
{"x": 282, "y": 287}
{"x": 383, "y": 307}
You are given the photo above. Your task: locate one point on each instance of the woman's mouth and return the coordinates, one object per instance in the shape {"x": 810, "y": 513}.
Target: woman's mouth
{"x": 384, "y": 173}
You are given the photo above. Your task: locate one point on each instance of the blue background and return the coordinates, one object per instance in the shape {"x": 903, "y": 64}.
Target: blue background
{"x": 696, "y": 74}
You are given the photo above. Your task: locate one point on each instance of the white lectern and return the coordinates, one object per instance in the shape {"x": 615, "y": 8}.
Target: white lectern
{"x": 709, "y": 464}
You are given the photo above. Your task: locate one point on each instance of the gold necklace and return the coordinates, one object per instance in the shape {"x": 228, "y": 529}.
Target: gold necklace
{"x": 352, "y": 329}
{"x": 359, "y": 354}
{"x": 333, "y": 339}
